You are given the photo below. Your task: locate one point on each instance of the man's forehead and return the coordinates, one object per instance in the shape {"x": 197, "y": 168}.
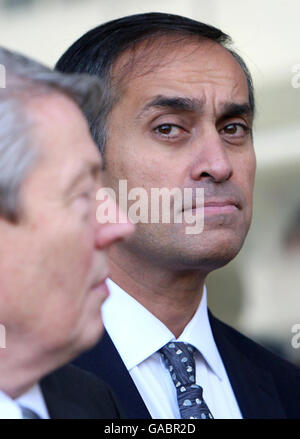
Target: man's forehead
{"x": 167, "y": 66}
{"x": 158, "y": 52}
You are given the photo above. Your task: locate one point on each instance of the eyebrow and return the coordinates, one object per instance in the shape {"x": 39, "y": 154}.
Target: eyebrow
{"x": 179, "y": 103}
{"x": 85, "y": 171}
{"x": 233, "y": 110}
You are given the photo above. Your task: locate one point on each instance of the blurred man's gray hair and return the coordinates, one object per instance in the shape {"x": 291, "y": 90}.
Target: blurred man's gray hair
{"x": 25, "y": 78}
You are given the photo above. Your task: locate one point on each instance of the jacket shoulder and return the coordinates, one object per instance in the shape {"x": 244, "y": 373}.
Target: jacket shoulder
{"x": 256, "y": 352}
{"x": 248, "y": 358}
{"x": 81, "y": 392}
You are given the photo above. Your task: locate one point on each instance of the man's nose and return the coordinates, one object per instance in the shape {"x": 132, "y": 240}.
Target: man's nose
{"x": 212, "y": 160}
{"x": 110, "y": 232}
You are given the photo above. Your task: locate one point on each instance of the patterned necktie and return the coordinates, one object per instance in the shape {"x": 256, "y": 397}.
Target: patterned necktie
{"x": 28, "y": 413}
{"x": 179, "y": 359}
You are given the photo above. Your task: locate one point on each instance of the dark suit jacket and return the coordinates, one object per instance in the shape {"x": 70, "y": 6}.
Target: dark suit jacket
{"x": 71, "y": 393}
{"x": 265, "y": 385}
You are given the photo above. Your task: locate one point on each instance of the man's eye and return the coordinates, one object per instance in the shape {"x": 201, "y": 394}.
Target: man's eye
{"x": 236, "y": 129}
{"x": 85, "y": 196}
{"x": 168, "y": 130}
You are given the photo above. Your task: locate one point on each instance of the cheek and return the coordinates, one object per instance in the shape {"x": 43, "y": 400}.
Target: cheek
{"x": 142, "y": 171}
{"x": 133, "y": 156}
{"x": 68, "y": 257}
{"x": 250, "y": 173}
{"x": 245, "y": 168}
{"x": 80, "y": 256}
{"x": 247, "y": 176}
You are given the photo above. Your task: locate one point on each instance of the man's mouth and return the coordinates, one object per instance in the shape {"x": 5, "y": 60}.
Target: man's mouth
{"x": 215, "y": 206}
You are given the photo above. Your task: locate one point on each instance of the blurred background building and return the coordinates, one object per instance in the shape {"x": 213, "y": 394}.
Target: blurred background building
{"x": 259, "y": 292}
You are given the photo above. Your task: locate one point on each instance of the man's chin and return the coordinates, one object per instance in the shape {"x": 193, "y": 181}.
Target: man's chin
{"x": 85, "y": 338}
{"x": 207, "y": 256}
{"x": 205, "y": 264}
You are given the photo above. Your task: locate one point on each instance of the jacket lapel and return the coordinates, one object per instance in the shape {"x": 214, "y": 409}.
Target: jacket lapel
{"x": 58, "y": 406}
{"x": 253, "y": 386}
{"x": 104, "y": 360}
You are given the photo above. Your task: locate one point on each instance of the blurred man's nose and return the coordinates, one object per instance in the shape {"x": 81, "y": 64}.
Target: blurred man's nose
{"x": 212, "y": 159}
{"x": 110, "y": 232}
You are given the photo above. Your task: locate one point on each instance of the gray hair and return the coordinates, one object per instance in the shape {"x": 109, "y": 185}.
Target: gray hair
{"x": 23, "y": 79}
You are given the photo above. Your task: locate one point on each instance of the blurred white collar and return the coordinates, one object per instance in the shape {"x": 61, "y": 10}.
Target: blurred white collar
{"x": 32, "y": 399}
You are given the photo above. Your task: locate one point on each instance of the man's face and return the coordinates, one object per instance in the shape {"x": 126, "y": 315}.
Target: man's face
{"x": 185, "y": 122}
{"x": 53, "y": 262}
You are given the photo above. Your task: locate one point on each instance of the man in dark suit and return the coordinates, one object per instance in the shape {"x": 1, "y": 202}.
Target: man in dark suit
{"x": 53, "y": 251}
{"x": 179, "y": 109}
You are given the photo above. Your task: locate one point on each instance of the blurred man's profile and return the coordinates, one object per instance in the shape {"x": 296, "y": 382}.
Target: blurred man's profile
{"x": 53, "y": 263}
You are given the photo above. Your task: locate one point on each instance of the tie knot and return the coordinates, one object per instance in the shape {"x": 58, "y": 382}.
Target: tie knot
{"x": 178, "y": 347}
{"x": 179, "y": 359}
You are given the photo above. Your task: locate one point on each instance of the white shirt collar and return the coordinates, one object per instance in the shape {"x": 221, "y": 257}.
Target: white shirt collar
{"x": 123, "y": 316}
{"x": 8, "y": 408}
{"x": 32, "y": 399}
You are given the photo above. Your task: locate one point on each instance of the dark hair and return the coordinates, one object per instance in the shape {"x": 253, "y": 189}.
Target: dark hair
{"x": 97, "y": 50}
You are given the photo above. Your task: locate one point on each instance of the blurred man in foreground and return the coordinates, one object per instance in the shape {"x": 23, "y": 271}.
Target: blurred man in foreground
{"x": 53, "y": 252}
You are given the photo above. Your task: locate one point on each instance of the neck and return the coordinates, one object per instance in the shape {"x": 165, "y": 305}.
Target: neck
{"x": 172, "y": 296}
{"x": 23, "y": 363}
{"x": 17, "y": 368}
